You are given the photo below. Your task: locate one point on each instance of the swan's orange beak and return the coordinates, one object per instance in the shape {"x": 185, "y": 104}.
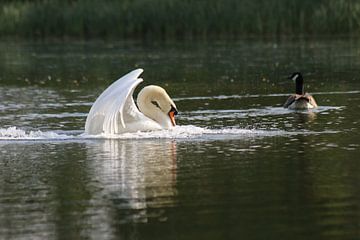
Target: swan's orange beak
{"x": 172, "y": 114}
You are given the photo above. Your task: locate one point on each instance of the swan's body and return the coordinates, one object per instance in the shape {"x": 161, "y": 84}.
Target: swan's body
{"x": 300, "y": 100}
{"x": 115, "y": 111}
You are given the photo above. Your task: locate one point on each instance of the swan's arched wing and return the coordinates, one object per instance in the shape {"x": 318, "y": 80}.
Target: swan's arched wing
{"x": 114, "y": 106}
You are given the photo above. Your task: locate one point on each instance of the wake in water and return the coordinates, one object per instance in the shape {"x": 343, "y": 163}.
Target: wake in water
{"x": 252, "y": 112}
{"x": 179, "y": 132}
{"x": 13, "y": 133}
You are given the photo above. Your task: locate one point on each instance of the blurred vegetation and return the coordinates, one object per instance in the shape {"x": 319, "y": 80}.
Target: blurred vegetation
{"x": 169, "y": 19}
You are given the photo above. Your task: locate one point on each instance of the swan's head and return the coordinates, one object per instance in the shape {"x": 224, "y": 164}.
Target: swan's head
{"x": 155, "y": 103}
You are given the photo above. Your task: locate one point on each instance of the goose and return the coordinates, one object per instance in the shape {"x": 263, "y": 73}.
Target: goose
{"x": 115, "y": 112}
{"x": 300, "y": 100}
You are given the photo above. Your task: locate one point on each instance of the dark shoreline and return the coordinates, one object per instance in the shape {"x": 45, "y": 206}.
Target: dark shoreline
{"x": 173, "y": 19}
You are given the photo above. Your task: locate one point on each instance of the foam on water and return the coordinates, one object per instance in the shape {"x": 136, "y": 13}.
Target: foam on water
{"x": 179, "y": 132}
{"x": 14, "y": 133}
{"x": 192, "y": 132}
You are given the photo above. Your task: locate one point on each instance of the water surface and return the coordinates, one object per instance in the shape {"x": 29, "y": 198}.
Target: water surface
{"x": 238, "y": 166}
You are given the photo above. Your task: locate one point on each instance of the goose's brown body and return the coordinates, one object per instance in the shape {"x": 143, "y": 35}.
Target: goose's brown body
{"x": 300, "y": 100}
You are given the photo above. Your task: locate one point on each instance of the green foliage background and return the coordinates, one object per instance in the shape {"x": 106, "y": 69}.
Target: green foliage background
{"x": 169, "y": 19}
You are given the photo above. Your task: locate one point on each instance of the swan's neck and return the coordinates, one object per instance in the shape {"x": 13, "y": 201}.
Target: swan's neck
{"x": 155, "y": 114}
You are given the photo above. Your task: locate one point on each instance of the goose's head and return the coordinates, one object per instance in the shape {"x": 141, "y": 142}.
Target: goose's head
{"x": 295, "y": 76}
{"x": 155, "y": 103}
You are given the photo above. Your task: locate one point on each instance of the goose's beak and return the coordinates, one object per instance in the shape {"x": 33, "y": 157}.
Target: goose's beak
{"x": 173, "y": 112}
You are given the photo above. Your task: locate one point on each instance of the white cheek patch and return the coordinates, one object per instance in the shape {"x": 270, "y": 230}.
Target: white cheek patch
{"x": 295, "y": 77}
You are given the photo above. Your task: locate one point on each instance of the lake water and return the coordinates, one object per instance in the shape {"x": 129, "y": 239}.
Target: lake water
{"x": 238, "y": 166}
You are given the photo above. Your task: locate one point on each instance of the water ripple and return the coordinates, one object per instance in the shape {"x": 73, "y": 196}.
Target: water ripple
{"x": 223, "y": 97}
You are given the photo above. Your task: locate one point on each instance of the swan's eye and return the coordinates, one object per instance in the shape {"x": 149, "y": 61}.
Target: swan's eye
{"x": 173, "y": 110}
{"x": 156, "y": 104}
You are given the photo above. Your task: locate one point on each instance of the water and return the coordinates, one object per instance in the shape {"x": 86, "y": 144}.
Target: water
{"x": 238, "y": 166}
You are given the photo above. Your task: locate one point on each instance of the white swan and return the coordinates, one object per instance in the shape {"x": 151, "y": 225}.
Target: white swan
{"x": 115, "y": 111}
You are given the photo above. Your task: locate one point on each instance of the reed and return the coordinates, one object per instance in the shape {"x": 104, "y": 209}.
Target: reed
{"x": 171, "y": 19}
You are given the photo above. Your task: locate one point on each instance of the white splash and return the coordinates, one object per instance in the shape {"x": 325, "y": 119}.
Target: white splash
{"x": 179, "y": 132}
{"x": 191, "y": 132}
{"x": 13, "y": 133}
{"x": 184, "y": 132}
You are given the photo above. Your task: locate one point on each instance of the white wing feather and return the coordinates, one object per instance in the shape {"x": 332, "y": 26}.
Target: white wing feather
{"x": 115, "y": 106}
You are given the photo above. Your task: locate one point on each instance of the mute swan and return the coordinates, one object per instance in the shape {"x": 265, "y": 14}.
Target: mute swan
{"x": 299, "y": 100}
{"x": 115, "y": 111}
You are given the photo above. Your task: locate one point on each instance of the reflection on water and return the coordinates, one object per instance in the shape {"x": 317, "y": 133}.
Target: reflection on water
{"x": 94, "y": 186}
{"x": 137, "y": 180}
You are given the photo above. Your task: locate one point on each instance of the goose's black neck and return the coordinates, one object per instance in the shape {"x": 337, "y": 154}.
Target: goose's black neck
{"x": 299, "y": 85}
